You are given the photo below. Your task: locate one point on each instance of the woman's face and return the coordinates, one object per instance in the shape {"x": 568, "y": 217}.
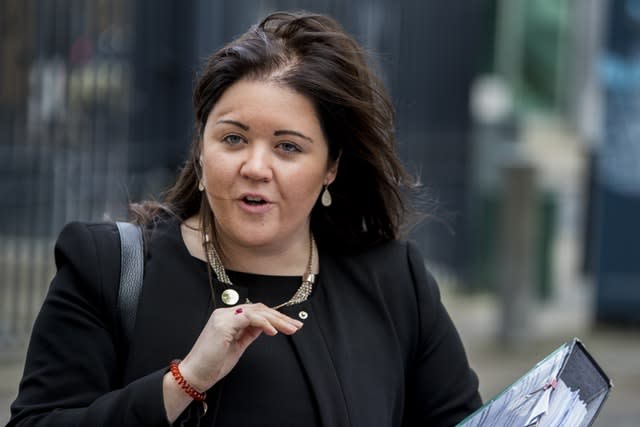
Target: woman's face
{"x": 265, "y": 161}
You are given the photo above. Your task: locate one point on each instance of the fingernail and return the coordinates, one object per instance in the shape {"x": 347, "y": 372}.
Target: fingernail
{"x": 238, "y": 310}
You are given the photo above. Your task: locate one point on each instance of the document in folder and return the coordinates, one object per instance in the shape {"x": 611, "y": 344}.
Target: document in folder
{"x": 567, "y": 388}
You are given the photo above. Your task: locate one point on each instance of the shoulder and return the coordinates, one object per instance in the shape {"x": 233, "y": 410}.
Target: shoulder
{"x": 89, "y": 251}
{"x": 77, "y": 232}
{"x": 100, "y": 239}
{"x": 396, "y": 257}
{"x": 87, "y": 258}
{"x": 83, "y": 229}
{"x": 398, "y": 270}
{"x": 395, "y": 270}
{"x": 394, "y": 250}
{"x": 81, "y": 241}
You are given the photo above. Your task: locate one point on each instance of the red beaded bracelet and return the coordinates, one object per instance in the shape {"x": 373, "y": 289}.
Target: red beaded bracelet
{"x": 195, "y": 394}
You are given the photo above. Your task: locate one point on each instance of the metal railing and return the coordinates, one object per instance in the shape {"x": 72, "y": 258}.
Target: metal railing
{"x": 64, "y": 105}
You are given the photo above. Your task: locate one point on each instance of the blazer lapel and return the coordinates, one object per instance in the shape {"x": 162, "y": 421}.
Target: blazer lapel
{"x": 311, "y": 345}
{"x": 316, "y": 361}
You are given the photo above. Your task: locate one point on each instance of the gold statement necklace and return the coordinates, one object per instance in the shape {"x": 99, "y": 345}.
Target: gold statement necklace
{"x": 231, "y": 297}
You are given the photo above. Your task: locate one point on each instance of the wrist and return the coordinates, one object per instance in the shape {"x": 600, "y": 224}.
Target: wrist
{"x": 198, "y": 375}
{"x": 188, "y": 385}
{"x": 174, "y": 398}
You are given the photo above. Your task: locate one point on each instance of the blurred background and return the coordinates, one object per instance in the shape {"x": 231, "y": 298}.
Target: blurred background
{"x": 521, "y": 118}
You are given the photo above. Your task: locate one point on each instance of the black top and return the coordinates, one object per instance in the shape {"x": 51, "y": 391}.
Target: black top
{"x": 377, "y": 347}
{"x": 269, "y": 365}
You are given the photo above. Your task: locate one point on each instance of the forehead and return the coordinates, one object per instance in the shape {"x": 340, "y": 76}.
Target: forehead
{"x": 265, "y": 103}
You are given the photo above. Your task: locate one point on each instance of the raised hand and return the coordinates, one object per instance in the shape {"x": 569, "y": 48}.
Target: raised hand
{"x": 225, "y": 337}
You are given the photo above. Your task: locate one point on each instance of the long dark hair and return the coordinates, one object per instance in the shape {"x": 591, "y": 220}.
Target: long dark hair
{"x": 313, "y": 55}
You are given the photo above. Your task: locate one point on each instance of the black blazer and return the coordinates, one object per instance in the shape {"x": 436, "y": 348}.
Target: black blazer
{"x": 378, "y": 347}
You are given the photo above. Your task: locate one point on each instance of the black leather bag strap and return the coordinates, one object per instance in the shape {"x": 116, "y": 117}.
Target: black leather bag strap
{"x": 131, "y": 275}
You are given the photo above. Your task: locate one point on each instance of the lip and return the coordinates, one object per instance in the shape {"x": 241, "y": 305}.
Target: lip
{"x": 255, "y": 196}
{"x": 254, "y": 209}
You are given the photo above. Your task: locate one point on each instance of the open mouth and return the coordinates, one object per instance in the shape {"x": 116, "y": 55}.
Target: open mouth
{"x": 254, "y": 201}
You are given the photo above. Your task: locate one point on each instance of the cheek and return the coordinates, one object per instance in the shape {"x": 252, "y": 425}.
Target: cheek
{"x": 306, "y": 186}
{"x": 216, "y": 170}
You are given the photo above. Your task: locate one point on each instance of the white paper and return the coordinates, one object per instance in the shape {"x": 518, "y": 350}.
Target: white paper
{"x": 531, "y": 399}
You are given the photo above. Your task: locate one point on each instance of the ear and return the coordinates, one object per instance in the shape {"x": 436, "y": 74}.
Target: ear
{"x": 332, "y": 172}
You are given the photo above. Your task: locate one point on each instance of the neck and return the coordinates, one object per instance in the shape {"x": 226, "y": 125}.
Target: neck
{"x": 289, "y": 258}
{"x": 284, "y": 260}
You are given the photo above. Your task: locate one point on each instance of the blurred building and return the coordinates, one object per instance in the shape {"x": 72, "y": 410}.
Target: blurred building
{"x": 616, "y": 190}
{"x": 561, "y": 97}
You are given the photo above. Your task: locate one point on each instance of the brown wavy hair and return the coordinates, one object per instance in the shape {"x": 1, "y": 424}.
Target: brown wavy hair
{"x": 313, "y": 55}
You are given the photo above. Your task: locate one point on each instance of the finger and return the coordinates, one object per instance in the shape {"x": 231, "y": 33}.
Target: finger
{"x": 277, "y": 322}
{"x": 260, "y": 316}
{"x": 283, "y": 317}
{"x": 276, "y": 316}
{"x": 259, "y": 320}
{"x": 282, "y": 323}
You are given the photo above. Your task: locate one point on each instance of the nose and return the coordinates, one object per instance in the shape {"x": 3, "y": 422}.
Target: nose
{"x": 257, "y": 165}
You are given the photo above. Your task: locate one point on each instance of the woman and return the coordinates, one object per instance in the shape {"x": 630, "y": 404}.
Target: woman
{"x": 292, "y": 173}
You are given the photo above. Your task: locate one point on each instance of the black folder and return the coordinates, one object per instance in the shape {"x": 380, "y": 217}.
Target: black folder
{"x": 567, "y": 388}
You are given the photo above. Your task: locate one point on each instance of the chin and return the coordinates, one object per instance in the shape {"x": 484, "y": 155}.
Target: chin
{"x": 255, "y": 238}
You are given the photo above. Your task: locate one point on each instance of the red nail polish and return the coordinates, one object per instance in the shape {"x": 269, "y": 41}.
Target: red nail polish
{"x": 238, "y": 310}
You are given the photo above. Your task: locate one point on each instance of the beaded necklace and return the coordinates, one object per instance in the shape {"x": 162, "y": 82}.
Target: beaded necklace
{"x": 230, "y": 296}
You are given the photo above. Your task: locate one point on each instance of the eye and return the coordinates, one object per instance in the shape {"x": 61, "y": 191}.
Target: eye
{"x": 233, "y": 139}
{"x": 288, "y": 147}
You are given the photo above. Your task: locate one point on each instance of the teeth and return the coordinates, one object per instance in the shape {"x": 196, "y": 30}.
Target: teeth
{"x": 253, "y": 199}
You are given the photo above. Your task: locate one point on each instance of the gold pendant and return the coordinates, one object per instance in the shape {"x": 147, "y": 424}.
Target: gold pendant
{"x": 230, "y": 297}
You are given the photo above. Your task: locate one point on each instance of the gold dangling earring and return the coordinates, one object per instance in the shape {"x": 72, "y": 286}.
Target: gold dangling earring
{"x": 200, "y": 186}
{"x": 326, "y": 197}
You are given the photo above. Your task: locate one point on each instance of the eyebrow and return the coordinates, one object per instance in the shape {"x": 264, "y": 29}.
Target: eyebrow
{"x": 235, "y": 123}
{"x": 292, "y": 132}
{"x": 276, "y": 133}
